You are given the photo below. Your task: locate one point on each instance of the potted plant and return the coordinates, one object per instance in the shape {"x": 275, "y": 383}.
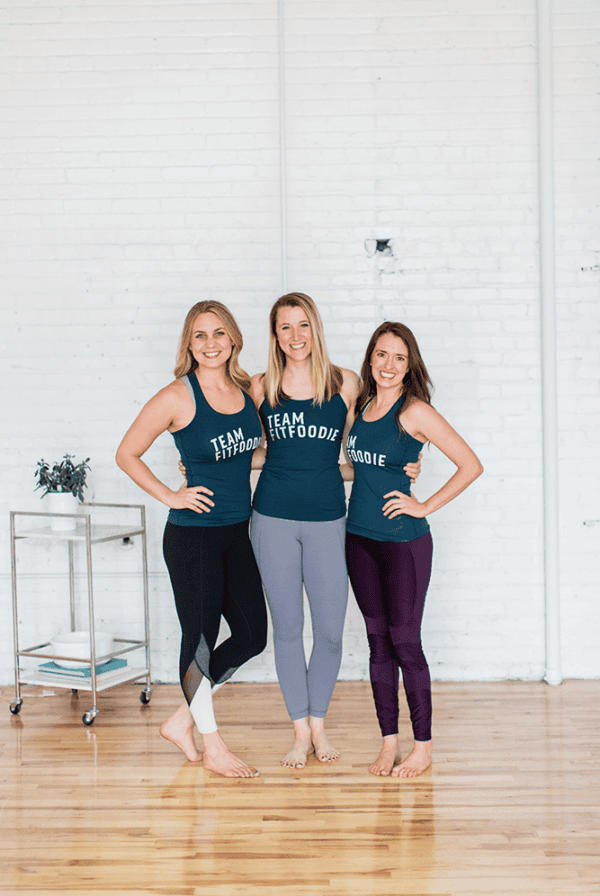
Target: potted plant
{"x": 63, "y": 483}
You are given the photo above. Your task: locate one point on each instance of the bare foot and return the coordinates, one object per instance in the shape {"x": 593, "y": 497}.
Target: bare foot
{"x": 324, "y": 751}
{"x": 416, "y": 762}
{"x": 302, "y": 747}
{"x": 387, "y": 757}
{"x": 219, "y": 758}
{"x": 179, "y": 730}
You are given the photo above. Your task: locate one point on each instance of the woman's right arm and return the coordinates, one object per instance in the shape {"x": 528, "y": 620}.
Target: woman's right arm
{"x": 155, "y": 418}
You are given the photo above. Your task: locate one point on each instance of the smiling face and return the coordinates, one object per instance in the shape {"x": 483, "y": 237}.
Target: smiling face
{"x": 293, "y": 332}
{"x": 210, "y": 343}
{"x": 389, "y": 362}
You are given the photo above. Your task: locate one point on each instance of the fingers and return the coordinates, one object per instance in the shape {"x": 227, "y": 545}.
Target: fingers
{"x": 196, "y": 499}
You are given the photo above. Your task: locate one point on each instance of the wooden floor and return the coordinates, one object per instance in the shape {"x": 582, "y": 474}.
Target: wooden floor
{"x": 511, "y": 805}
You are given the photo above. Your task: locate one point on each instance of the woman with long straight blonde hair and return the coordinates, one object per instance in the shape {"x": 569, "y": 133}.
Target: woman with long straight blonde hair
{"x": 212, "y": 418}
{"x": 298, "y": 521}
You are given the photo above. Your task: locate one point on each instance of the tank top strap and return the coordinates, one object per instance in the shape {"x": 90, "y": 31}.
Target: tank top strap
{"x": 198, "y": 395}
{"x": 187, "y": 379}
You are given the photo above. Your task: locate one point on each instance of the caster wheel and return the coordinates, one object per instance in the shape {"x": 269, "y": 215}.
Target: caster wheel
{"x": 87, "y": 718}
{"x": 144, "y": 698}
{"x": 74, "y": 691}
{"x": 15, "y": 708}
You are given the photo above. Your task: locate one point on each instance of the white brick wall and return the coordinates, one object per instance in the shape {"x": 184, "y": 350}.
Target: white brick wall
{"x": 140, "y": 174}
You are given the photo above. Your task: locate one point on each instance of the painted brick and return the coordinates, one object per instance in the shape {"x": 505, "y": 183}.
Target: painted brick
{"x": 141, "y": 173}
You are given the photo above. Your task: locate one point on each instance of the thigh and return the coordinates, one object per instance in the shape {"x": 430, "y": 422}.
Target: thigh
{"x": 364, "y": 572}
{"x": 406, "y": 579}
{"x": 279, "y": 556}
{"x": 194, "y": 558}
{"x": 324, "y": 574}
{"x": 243, "y": 598}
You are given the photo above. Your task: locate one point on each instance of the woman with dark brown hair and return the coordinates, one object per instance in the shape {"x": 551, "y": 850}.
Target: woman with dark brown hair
{"x": 388, "y": 543}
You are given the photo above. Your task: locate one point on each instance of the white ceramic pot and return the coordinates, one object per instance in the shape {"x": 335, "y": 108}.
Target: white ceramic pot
{"x": 77, "y": 644}
{"x": 62, "y": 502}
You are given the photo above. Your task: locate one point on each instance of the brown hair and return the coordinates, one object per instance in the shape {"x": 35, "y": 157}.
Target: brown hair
{"x": 186, "y": 363}
{"x": 327, "y": 378}
{"x": 416, "y": 385}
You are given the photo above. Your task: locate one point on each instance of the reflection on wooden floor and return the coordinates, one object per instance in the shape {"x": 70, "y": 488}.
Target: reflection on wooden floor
{"x": 511, "y": 805}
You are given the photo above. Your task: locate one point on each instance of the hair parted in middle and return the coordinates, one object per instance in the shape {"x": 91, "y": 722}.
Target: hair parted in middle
{"x": 327, "y": 378}
{"x": 186, "y": 363}
{"x": 416, "y": 385}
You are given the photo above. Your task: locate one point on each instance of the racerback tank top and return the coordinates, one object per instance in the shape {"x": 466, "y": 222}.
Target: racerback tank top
{"x": 301, "y": 477}
{"x": 379, "y": 451}
{"x": 216, "y": 450}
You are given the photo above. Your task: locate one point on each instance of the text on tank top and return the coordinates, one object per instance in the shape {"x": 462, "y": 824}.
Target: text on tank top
{"x": 301, "y": 478}
{"x": 216, "y": 450}
{"x": 379, "y": 452}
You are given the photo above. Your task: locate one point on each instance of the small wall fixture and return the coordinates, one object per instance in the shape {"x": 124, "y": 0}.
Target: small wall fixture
{"x": 383, "y": 247}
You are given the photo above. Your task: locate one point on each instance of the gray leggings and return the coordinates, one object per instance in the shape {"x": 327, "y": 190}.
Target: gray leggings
{"x": 290, "y": 553}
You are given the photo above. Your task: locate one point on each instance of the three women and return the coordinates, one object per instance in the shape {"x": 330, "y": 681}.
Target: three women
{"x": 306, "y": 404}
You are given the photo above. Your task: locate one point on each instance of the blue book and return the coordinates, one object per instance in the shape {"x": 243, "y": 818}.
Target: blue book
{"x": 83, "y": 671}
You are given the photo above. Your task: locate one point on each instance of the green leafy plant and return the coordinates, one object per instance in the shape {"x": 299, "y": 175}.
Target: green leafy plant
{"x": 62, "y": 477}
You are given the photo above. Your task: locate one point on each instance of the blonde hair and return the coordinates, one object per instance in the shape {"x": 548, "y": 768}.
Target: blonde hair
{"x": 326, "y": 377}
{"x": 186, "y": 363}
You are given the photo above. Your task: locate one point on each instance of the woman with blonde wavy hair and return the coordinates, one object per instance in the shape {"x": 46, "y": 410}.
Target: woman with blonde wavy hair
{"x": 298, "y": 521}
{"x": 216, "y": 429}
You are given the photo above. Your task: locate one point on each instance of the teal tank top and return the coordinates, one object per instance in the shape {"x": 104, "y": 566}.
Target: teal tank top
{"x": 216, "y": 450}
{"x": 301, "y": 477}
{"x": 379, "y": 451}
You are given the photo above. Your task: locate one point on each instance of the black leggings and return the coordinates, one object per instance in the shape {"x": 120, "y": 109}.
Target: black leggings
{"x": 390, "y": 581}
{"x": 213, "y": 573}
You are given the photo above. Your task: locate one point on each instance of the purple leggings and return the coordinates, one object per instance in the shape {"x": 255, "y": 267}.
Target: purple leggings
{"x": 390, "y": 581}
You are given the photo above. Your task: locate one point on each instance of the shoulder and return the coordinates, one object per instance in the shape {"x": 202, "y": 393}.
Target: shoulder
{"x": 172, "y": 396}
{"x": 257, "y": 388}
{"x": 418, "y": 411}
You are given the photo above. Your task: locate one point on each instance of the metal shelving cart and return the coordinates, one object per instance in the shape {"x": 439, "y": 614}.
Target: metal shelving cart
{"x": 88, "y": 533}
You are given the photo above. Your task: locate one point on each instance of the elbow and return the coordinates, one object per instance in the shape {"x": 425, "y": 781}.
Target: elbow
{"x": 120, "y": 459}
{"x": 478, "y": 469}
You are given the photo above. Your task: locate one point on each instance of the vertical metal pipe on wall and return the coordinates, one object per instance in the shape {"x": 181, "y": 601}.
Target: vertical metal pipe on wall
{"x": 282, "y": 145}
{"x": 548, "y": 339}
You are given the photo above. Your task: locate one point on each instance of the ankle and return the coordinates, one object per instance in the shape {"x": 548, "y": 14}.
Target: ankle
{"x": 301, "y": 729}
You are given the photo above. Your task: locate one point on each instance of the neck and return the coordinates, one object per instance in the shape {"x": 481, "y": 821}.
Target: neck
{"x": 387, "y": 398}
{"x": 216, "y": 378}
{"x": 297, "y": 371}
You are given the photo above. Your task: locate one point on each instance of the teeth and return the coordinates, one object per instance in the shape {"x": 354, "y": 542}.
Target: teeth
{"x": 388, "y": 375}
{"x": 302, "y": 344}
{"x": 210, "y": 354}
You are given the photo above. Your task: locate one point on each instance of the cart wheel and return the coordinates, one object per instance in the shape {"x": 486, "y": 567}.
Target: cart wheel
{"x": 15, "y": 707}
{"x": 144, "y": 698}
{"x": 88, "y": 718}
